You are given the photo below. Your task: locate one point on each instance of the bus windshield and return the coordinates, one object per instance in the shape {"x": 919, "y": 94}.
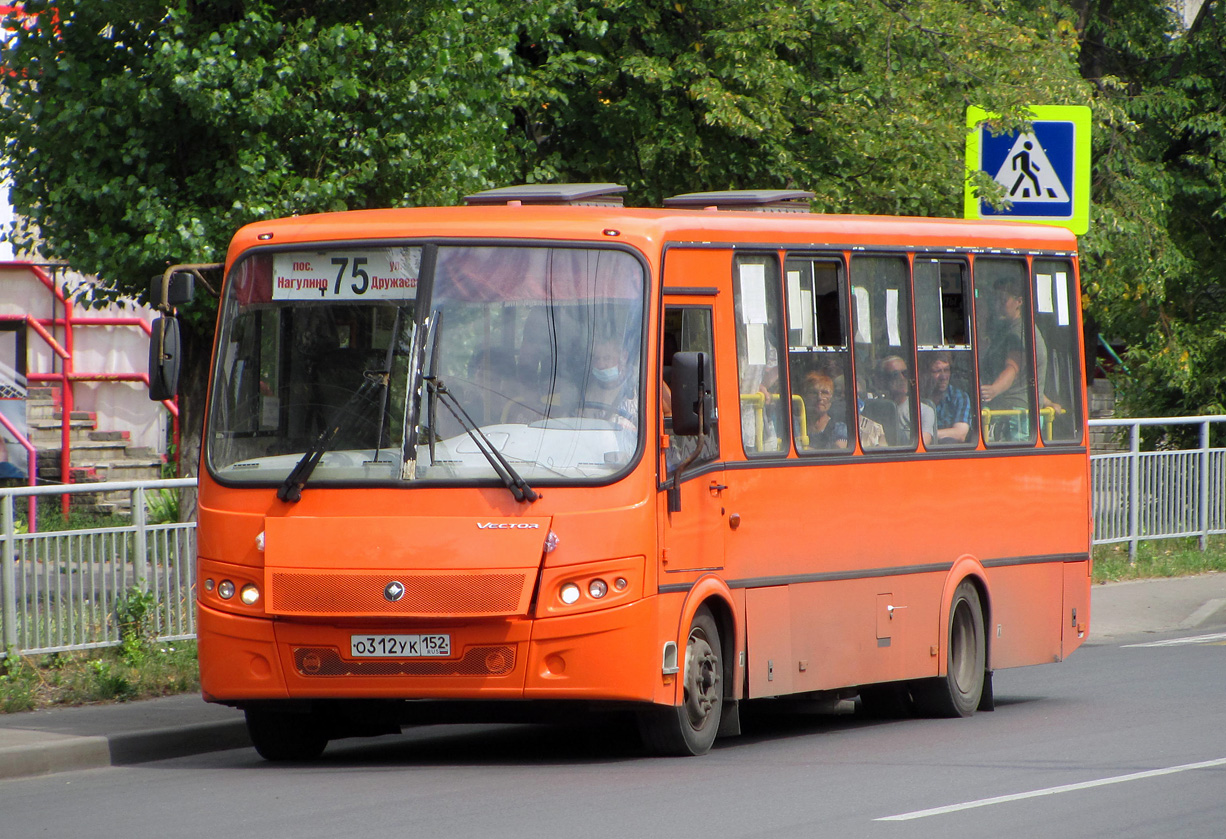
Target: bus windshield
{"x": 352, "y": 361}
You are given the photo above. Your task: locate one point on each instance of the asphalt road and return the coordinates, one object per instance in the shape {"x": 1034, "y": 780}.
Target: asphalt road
{"x": 1119, "y": 741}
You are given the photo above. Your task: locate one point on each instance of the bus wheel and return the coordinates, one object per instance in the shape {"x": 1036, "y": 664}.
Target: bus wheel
{"x": 957, "y": 693}
{"x": 278, "y": 735}
{"x": 690, "y": 728}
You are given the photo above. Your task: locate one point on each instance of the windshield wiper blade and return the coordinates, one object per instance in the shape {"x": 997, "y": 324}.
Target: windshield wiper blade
{"x": 423, "y": 336}
{"x": 510, "y": 478}
{"x": 374, "y": 381}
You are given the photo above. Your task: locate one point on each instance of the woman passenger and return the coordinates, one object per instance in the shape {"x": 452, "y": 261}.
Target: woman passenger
{"x": 824, "y": 431}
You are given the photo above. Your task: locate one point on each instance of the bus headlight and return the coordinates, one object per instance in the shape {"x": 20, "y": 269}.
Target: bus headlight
{"x": 569, "y": 593}
{"x": 225, "y": 589}
{"x": 250, "y": 595}
{"x": 598, "y": 588}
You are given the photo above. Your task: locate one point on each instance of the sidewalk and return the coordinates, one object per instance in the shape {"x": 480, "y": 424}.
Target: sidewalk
{"x": 92, "y": 736}
{"x": 1136, "y": 607}
{"x": 63, "y": 739}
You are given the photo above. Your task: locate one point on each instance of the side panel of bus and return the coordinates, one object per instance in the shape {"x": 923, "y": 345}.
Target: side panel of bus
{"x": 847, "y": 562}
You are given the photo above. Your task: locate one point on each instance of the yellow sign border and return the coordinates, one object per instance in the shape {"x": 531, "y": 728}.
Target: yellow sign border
{"x": 1081, "y": 118}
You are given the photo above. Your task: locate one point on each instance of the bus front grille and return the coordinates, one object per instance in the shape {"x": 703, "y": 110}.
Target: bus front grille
{"x": 495, "y": 660}
{"x": 420, "y": 594}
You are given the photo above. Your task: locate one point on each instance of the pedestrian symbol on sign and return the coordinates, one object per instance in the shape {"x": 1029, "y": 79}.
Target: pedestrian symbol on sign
{"x": 1027, "y": 174}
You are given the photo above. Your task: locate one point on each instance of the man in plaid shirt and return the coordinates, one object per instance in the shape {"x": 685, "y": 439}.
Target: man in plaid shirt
{"x": 952, "y": 404}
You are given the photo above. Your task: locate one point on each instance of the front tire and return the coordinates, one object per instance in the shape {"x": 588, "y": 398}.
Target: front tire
{"x": 690, "y": 728}
{"x": 958, "y": 692}
{"x": 280, "y": 735}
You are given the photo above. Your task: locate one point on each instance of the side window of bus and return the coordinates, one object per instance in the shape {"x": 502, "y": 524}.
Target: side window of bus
{"x": 1057, "y": 344}
{"x": 253, "y": 355}
{"x": 818, "y": 355}
{"x": 943, "y": 338}
{"x": 1004, "y": 347}
{"x": 885, "y": 379}
{"x": 764, "y": 428}
{"x": 686, "y": 329}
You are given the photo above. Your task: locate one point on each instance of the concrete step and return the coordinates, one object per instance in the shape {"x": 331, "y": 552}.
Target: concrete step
{"x": 88, "y": 451}
{"x": 47, "y": 433}
{"x": 41, "y": 411}
{"x": 129, "y": 470}
{"x": 96, "y": 454}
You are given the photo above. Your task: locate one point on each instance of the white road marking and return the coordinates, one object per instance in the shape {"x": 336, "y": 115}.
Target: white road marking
{"x": 1179, "y": 642}
{"x": 1038, "y": 793}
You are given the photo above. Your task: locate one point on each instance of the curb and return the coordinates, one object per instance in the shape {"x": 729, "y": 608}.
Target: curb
{"x": 179, "y": 741}
{"x": 46, "y": 754}
{"x": 49, "y": 754}
{"x": 1211, "y": 613}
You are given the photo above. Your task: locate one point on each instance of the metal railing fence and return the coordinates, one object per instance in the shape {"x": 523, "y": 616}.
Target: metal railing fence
{"x": 62, "y": 590}
{"x": 1164, "y": 494}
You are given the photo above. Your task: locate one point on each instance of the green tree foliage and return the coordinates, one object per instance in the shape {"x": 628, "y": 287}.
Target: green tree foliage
{"x": 1153, "y": 275}
{"x": 861, "y": 101}
{"x": 142, "y": 132}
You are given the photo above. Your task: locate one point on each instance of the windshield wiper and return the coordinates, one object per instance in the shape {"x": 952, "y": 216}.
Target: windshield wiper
{"x": 362, "y": 401}
{"x": 422, "y": 338}
{"x": 510, "y": 478}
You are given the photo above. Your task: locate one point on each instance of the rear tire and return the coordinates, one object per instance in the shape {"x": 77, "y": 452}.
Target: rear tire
{"x": 958, "y": 692}
{"x": 690, "y": 728}
{"x": 279, "y": 735}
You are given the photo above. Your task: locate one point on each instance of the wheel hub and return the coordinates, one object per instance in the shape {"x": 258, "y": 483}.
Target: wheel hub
{"x": 702, "y": 681}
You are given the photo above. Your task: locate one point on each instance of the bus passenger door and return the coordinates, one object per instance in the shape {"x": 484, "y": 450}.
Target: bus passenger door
{"x": 693, "y": 531}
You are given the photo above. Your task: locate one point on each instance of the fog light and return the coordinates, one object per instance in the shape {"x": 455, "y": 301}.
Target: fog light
{"x": 225, "y": 589}
{"x": 620, "y": 584}
{"x": 209, "y": 585}
{"x": 570, "y": 593}
{"x": 598, "y": 588}
{"x": 249, "y": 595}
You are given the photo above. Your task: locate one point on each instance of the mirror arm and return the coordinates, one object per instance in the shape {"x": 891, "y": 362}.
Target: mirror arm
{"x": 196, "y": 269}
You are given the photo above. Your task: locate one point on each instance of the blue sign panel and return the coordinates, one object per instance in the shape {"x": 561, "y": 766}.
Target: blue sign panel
{"x": 1035, "y": 169}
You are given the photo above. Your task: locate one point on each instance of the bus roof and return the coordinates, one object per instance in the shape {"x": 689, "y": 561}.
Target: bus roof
{"x": 650, "y": 229}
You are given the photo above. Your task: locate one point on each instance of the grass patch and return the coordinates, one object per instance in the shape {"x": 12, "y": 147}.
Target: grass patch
{"x": 1159, "y": 558}
{"x": 51, "y": 517}
{"x": 109, "y": 675}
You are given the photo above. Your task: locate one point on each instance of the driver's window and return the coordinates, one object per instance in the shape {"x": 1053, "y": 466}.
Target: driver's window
{"x": 686, "y": 329}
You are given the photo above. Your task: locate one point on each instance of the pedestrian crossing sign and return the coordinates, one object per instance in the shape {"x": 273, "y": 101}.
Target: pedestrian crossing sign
{"x": 1044, "y": 172}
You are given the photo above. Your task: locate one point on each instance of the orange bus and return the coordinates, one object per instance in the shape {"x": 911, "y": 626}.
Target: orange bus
{"x": 546, "y": 447}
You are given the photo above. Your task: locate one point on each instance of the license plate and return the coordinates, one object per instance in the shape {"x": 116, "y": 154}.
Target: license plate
{"x": 400, "y": 646}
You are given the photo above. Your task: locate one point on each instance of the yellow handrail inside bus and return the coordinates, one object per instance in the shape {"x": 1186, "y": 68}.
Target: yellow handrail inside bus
{"x": 802, "y": 435}
{"x": 1048, "y": 415}
{"x": 758, "y": 402}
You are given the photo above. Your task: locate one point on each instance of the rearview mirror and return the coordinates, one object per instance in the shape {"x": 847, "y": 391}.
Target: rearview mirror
{"x": 164, "y": 361}
{"x": 692, "y": 405}
{"x": 175, "y": 290}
